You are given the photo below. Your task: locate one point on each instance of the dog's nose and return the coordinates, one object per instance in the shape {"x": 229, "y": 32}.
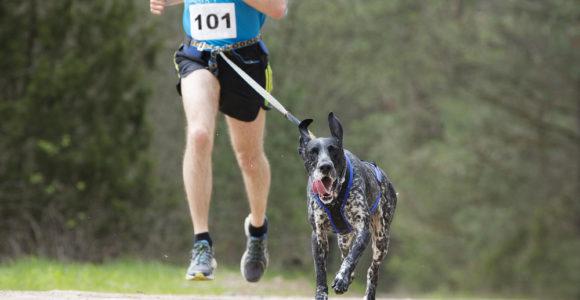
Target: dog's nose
{"x": 325, "y": 168}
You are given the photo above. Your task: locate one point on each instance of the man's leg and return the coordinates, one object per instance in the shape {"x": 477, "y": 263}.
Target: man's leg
{"x": 200, "y": 91}
{"x": 247, "y": 141}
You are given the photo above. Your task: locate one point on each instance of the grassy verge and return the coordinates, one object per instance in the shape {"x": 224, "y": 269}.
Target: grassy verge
{"x": 133, "y": 276}
{"x": 147, "y": 277}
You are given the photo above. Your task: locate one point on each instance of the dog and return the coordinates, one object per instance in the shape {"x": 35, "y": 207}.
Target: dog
{"x": 353, "y": 198}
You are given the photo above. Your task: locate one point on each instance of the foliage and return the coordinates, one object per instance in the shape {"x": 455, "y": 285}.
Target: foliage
{"x": 471, "y": 106}
{"x": 473, "y": 109}
{"x": 74, "y": 171}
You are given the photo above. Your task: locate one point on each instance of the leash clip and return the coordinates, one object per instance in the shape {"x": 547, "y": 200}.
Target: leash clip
{"x": 212, "y": 62}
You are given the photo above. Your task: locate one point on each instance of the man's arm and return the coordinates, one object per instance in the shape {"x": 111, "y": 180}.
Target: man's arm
{"x": 157, "y": 6}
{"x": 275, "y": 9}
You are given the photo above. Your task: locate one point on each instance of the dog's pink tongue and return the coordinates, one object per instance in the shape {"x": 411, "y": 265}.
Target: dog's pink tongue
{"x": 318, "y": 187}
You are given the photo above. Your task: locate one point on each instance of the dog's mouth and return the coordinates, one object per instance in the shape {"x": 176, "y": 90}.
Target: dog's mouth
{"x": 323, "y": 187}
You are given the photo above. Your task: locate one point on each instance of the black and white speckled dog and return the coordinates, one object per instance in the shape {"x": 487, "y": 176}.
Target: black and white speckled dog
{"x": 352, "y": 198}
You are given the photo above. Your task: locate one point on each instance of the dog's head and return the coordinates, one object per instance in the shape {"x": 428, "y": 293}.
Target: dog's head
{"x": 323, "y": 158}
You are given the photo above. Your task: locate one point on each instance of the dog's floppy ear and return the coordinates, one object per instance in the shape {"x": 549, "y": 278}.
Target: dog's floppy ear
{"x": 304, "y": 135}
{"x": 335, "y": 127}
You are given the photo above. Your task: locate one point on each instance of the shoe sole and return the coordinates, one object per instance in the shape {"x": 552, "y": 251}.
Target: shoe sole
{"x": 199, "y": 276}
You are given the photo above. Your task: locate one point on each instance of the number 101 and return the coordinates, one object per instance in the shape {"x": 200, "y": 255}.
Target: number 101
{"x": 212, "y": 21}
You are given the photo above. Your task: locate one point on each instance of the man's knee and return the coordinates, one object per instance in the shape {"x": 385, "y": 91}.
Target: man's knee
{"x": 251, "y": 160}
{"x": 199, "y": 138}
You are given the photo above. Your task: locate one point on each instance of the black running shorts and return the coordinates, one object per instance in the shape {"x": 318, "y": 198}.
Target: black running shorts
{"x": 237, "y": 98}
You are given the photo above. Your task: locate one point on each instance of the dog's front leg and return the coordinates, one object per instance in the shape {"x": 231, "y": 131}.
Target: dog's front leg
{"x": 320, "y": 252}
{"x": 342, "y": 279}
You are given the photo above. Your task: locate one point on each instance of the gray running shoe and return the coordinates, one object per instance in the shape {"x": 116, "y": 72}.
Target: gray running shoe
{"x": 202, "y": 262}
{"x": 255, "y": 258}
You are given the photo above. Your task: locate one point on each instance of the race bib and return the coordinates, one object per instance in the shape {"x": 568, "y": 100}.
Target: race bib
{"x": 213, "y": 21}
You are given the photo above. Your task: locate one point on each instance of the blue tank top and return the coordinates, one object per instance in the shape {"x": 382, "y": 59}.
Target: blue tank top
{"x": 248, "y": 20}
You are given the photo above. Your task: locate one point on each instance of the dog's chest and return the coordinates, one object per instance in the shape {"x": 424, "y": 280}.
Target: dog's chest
{"x": 341, "y": 215}
{"x": 359, "y": 197}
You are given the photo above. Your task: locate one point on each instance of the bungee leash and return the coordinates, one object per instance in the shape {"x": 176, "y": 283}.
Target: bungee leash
{"x": 212, "y": 65}
{"x": 260, "y": 90}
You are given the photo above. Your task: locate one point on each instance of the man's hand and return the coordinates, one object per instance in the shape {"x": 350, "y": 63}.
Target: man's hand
{"x": 157, "y": 6}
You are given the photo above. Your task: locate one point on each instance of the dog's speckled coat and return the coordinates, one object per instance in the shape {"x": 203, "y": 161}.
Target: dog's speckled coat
{"x": 365, "y": 227}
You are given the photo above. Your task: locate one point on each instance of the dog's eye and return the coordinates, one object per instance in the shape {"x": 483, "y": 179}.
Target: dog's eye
{"x": 314, "y": 151}
{"x": 333, "y": 150}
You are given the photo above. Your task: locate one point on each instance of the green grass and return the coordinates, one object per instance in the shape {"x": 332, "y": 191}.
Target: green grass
{"x": 147, "y": 277}
{"x": 133, "y": 276}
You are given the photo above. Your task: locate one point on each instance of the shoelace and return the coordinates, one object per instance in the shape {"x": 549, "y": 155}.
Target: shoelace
{"x": 201, "y": 254}
{"x": 256, "y": 250}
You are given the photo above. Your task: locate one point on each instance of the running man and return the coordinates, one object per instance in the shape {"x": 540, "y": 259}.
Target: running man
{"x": 207, "y": 84}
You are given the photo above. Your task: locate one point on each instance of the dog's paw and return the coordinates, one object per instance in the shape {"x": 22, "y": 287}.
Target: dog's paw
{"x": 321, "y": 293}
{"x": 369, "y": 296}
{"x": 340, "y": 284}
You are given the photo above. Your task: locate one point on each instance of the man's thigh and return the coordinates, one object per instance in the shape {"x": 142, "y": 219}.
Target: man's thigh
{"x": 200, "y": 92}
{"x": 247, "y": 137}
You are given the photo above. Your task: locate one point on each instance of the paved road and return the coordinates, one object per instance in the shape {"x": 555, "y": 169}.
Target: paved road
{"x": 75, "y": 295}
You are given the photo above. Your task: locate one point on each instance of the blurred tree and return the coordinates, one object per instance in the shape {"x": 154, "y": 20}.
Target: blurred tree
{"x": 523, "y": 71}
{"x": 74, "y": 171}
{"x": 471, "y": 106}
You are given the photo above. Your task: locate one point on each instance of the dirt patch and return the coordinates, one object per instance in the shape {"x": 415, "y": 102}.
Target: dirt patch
{"x": 76, "y": 295}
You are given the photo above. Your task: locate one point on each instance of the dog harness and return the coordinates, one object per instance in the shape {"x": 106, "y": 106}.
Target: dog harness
{"x": 379, "y": 177}
{"x": 335, "y": 210}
